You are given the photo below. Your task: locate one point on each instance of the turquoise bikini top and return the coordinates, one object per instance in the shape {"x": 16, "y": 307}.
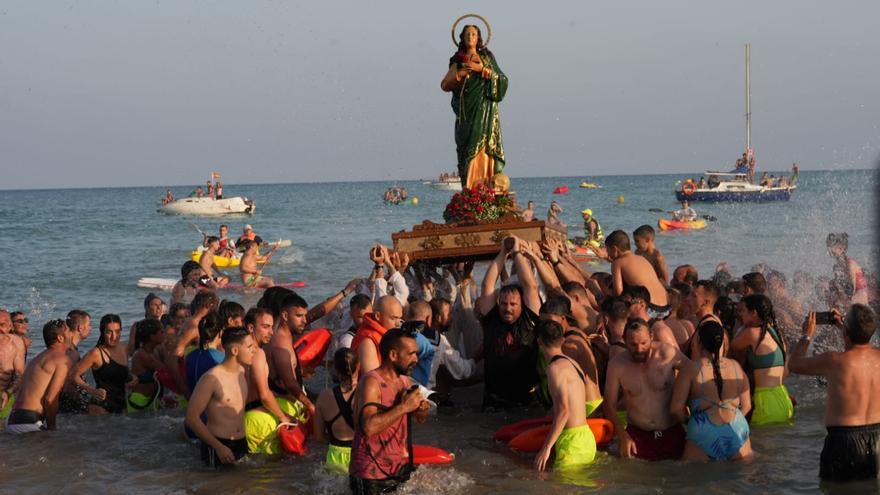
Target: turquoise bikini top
{"x": 765, "y": 361}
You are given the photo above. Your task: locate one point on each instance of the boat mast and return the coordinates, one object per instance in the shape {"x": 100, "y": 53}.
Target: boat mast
{"x": 748, "y": 99}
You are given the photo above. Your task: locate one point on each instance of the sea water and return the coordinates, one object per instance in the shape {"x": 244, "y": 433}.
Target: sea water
{"x": 86, "y": 248}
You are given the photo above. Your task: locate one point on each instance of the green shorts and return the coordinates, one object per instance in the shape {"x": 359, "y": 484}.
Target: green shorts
{"x": 338, "y": 459}
{"x": 771, "y": 406}
{"x": 4, "y": 413}
{"x": 260, "y": 427}
{"x": 592, "y": 405}
{"x": 138, "y": 402}
{"x": 575, "y": 447}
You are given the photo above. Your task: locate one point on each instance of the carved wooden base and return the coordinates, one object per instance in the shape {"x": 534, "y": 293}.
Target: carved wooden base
{"x": 450, "y": 243}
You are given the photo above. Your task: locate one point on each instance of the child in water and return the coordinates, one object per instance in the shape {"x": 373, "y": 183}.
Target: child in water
{"x": 645, "y": 247}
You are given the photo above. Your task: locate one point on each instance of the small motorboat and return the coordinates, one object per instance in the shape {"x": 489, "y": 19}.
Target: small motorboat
{"x": 590, "y": 185}
{"x": 561, "y": 190}
{"x": 447, "y": 183}
{"x": 209, "y": 206}
{"x": 670, "y": 224}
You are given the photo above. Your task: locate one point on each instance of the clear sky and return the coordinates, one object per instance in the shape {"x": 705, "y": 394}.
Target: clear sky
{"x": 97, "y": 93}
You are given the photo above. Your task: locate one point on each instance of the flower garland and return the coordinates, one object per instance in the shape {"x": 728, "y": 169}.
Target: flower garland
{"x": 480, "y": 204}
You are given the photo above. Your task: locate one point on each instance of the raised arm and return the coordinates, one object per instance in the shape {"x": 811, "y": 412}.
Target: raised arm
{"x": 532, "y": 299}
{"x": 486, "y": 301}
{"x": 799, "y": 363}
{"x": 321, "y": 309}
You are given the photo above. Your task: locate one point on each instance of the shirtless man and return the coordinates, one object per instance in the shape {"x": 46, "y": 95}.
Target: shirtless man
{"x": 251, "y": 275}
{"x": 260, "y": 399}
{"x": 206, "y": 261}
{"x": 852, "y": 412}
{"x": 575, "y": 346}
{"x": 683, "y": 329}
{"x": 645, "y": 247}
{"x": 569, "y": 433}
{"x": 635, "y": 296}
{"x": 12, "y": 363}
{"x": 73, "y": 399}
{"x": 630, "y": 269}
{"x": 285, "y": 373}
{"x": 221, "y": 394}
{"x": 529, "y": 213}
{"x": 387, "y": 314}
{"x": 646, "y": 374}
{"x": 37, "y": 404}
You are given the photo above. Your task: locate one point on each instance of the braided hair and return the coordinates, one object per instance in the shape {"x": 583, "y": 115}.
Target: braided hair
{"x": 763, "y": 307}
{"x": 711, "y": 338}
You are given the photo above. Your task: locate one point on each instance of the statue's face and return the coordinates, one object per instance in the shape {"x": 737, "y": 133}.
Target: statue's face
{"x": 471, "y": 36}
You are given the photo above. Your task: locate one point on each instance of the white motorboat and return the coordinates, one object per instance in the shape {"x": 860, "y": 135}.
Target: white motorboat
{"x": 448, "y": 184}
{"x": 209, "y": 206}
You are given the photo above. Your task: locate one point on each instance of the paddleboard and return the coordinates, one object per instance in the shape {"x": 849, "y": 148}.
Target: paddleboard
{"x": 168, "y": 284}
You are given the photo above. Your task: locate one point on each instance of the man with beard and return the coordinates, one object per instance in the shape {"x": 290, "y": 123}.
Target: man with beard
{"x": 285, "y": 372}
{"x": 262, "y": 410}
{"x": 639, "y": 302}
{"x": 508, "y": 317}
{"x": 646, "y": 374}
{"x": 380, "y": 455}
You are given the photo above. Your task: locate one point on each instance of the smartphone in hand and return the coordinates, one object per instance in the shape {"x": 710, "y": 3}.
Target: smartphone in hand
{"x": 824, "y": 318}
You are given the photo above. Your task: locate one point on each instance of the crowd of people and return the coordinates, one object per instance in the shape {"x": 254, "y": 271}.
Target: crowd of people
{"x": 684, "y": 367}
{"x": 395, "y": 195}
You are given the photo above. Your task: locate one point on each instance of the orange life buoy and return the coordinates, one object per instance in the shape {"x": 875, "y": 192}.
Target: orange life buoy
{"x": 689, "y": 187}
{"x": 311, "y": 347}
{"x": 425, "y": 454}
{"x": 532, "y": 440}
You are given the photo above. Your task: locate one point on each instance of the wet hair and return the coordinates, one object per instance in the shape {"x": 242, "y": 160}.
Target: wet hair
{"x": 76, "y": 318}
{"x": 250, "y": 318}
{"x": 573, "y": 288}
{"x": 188, "y": 267}
{"x": 51, "y": 330}
{"x": 232, "y": 336}
{"x": 559, "y": 306}
{"x": 756, "y": 282}
{"x": 149, "y": 299}
{"x": 510, "y": 289}
{"x": 146, "y": 328}
{"x": 102, "y": 326}
{"x": 272, "y": 298}
{"x": 691, "y": 277}
{"x": 549, "y": 332}
{"x": 360, "y": 301}
{"x": 711, "y": 338}
{"x": 860, "y": 324}
{"x": 392, "y": 341}
{"x": 709, "y": 288}
{"x": 725, "y": 310}
{"x": 618, "y": 239}
{"x": 418, "y": 310}
{"x": 763, "y": 307}
{"x": 229, "y": 309}
{"x": 209, "y": 327}
{"x": 614, "y": 308}
{"x": 344, "y": 363}
{"x": 841, "y": 239}
{"x": 210, "y": 239}
{"x": 644, "y": 232}
{"x": 633, "y": 324}
{"x": 292, "y": 300}
{"x": 202, "y": 299}
{"x": 637, "y": 292}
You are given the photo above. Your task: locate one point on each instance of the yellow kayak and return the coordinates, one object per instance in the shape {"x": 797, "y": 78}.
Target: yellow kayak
{"x": 590, "y": 185}
{"x": 221, "y": 261}
{"x": 665, "y": 224}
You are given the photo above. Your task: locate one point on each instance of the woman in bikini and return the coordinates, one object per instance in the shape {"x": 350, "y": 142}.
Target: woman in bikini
{"x": 334, "y": 418}
{"x": 109, "y": 364}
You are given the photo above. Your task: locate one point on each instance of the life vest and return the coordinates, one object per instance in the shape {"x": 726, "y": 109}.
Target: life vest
{"x": 372, "y": 330}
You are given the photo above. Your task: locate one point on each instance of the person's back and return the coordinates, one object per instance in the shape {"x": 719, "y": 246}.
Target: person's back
{"x": 854, "y": 388}
{"x": 630, "y": 269}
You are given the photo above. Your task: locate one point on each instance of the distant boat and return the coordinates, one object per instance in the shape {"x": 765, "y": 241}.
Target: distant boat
{"x": 590, "y": 185}
{"x": 735, "y": 186}
{"x": 209, "y": 206}
{"x": 447, "y": 183}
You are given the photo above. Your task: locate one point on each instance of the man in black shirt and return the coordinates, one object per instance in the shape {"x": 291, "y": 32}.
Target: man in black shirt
{"x": 508, "y": 317}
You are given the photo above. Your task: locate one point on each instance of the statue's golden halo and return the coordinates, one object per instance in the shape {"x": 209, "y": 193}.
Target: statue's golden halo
{"x": 476, "y": 16}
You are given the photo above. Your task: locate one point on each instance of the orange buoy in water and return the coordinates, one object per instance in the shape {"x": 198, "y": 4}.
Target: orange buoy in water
{"x": 425, "y": 454}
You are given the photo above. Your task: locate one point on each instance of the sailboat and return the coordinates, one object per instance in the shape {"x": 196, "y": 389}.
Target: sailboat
{"x": 735, "y": 185}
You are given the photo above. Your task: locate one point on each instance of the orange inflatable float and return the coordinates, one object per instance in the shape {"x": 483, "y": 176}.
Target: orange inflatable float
{"x": 425, "y": 454}
{"x": 509, "y": 432}
{"x": 292, "y": 437}
{"x": 311, "y": 347}
{"x": 532, "y": 440}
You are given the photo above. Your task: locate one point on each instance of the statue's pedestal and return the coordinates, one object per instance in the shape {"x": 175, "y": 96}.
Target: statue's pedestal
{"x": 451, "y": 243}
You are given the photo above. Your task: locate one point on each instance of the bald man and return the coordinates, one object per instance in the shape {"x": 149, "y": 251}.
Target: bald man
{"x": 387, "y": 314}
{"x": 418, "y": 316}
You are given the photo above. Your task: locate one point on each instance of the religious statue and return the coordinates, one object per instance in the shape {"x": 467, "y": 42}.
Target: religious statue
{"x": 477, "y": 86}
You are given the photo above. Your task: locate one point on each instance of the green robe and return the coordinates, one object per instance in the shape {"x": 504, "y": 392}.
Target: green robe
{"x": 478, "y": 123}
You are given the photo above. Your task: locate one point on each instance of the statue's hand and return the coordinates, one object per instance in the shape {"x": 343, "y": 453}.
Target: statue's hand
{"x": 475, "y": 65}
